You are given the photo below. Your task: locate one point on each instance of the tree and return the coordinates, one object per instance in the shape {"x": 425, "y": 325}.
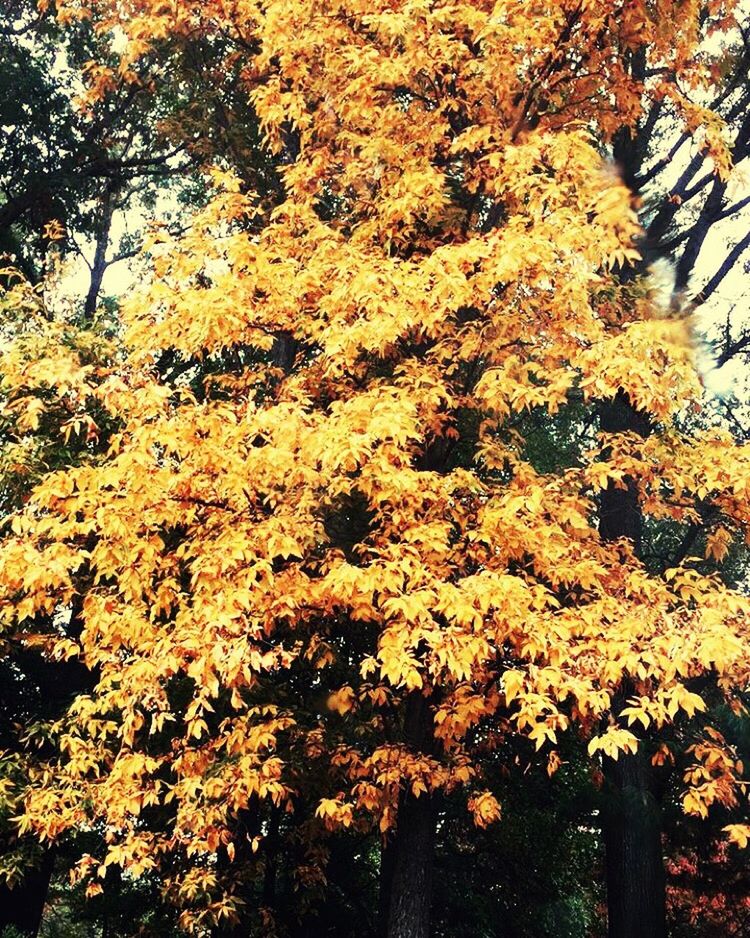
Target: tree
{"x": 680, "y": 215}
{"x": 47, "y": 423}
{"x": 81, "y": 163}
{"x": 320, "y": 488}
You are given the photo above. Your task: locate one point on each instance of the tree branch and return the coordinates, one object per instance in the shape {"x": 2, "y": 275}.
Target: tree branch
{"x": 729, "y": 261}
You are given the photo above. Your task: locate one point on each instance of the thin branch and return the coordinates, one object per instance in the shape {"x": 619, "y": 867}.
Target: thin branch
{"x": 731, "y": 259}
{"x": 201, "y": 502}
{"x": 665, "y": 216}
{"x": 22, "y": 30}
{"x": 732, "y": 417}
{"x": 733, "y": 209}
{"x": 79, "y": 251}
{"x": 665, "y": 161}
{"x": 733, "y": 348}
{"x": 123, "y": 256}
{"x": 698, "y": 187}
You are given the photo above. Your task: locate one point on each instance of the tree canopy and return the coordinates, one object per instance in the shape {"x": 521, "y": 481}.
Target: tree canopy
{"x": 396, "y": 480}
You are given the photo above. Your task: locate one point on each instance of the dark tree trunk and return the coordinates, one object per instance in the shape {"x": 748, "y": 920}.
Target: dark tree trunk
{"x": 409, "y": 858}
{"x": 283, "y": 351}
{"x": 245, "y": 827}
{"x": 33, "y": 687}
{"x": 632, "y": 834}
{"x": 272, "y": 850}
{"x": 387, "y": 856}
{"x": 632, "y": 839}
{"x": 22, "y": 906}
{"x": 410, "y": 891}
{"x": 631, "y": 817}
{"x": 99, "y": 267}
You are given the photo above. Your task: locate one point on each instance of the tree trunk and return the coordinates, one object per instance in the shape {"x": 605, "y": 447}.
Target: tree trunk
{"x": 387, "y": 857}
{"x": 631, "y": 824}
{"x": 632, "y": 838}
{"x": 409, "y": 858}
{"x": 22, "y": 906}
{"x": 33, "y": 685}
{"x": 245, "y": 827}
{"x": 99, "y": 267}
{"x": 272, "y": 848}
{"x": 410, "y": 890}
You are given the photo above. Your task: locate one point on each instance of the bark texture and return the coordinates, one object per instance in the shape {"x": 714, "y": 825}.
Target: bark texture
{"x": 632, "y": 838}
{"x": 22, "y": 906}
{"x": 411, "y": 878}
{"x": 409, "y": 858}
{"x": 631, "y": 822}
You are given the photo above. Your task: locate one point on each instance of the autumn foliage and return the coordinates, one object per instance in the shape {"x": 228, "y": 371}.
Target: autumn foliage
{"x": 303, "y": 548}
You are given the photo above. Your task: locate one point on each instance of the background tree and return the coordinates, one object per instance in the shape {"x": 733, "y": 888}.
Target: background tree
{"x": 47, "y": 423}
{"x": 98, "y": 167}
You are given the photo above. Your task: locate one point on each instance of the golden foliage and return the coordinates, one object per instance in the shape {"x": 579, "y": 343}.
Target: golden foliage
{"x": 465, "y": 273}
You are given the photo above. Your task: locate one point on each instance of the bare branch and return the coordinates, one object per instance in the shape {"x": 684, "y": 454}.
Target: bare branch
{"x": 729, "y": 261}
{"x": 733, "y": 209}
{"x": 661, "y": 164}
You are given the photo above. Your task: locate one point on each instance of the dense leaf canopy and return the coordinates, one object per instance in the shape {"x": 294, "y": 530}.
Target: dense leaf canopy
{"x": 311, "y": 559}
